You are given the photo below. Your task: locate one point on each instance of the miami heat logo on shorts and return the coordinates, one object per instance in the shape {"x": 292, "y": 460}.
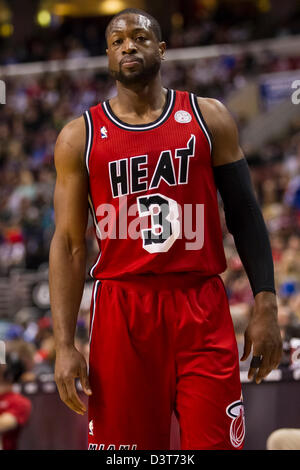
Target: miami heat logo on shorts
{"x": 237, "y": 428}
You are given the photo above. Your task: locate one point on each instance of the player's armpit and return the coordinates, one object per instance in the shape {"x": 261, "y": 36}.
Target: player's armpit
{"x": 223, "y": 130}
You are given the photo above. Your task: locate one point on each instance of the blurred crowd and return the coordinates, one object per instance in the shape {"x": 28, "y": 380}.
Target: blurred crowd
{"x": 197, "y": 23}
{"x": 37, "y": 108}
{"x": 276, "y": 177}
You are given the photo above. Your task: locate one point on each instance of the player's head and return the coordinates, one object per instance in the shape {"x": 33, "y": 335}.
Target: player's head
{"x": 134, "y": 35}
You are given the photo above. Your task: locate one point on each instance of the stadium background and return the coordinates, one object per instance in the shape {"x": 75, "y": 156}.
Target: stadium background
{"x": 246, "y": 54}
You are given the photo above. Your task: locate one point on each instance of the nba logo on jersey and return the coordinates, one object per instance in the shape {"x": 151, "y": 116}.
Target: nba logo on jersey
{"x": 103, "y": 131}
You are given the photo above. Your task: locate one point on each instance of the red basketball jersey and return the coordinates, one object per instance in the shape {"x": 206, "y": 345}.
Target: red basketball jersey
{"x": 152, "y": 193}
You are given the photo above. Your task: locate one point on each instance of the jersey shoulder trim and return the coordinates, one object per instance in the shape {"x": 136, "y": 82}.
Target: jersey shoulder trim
{"x": 169, "y": 105}
{"x": 200, "y": 119}
{"x": 89, "y": 137}
{"x": 88, "y": 146}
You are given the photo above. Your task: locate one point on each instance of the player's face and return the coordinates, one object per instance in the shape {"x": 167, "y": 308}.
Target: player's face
{"x": 134, "y": 53}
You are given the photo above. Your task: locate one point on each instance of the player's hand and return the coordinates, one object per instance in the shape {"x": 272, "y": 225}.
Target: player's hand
{"x": 263, "y": 334}
{"x": 69, "y": 365}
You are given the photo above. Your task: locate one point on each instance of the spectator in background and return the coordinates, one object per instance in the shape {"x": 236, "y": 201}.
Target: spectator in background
{"x": 15, "y": 409}
{"x": 289, "y": 324}
{"x": 26, "y": 351}
{"x": 45, "y": 356}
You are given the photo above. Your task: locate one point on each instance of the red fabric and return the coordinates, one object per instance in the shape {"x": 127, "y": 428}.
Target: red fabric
{"x": 112, "y": 143}
{"x": 20, "y": 408}
{"x": 14, "y": 236}
{"x": 160, "y": 343}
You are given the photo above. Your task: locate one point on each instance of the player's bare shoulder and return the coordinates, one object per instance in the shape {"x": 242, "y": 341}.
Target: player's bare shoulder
{"x": 70, "y": 144}
{"x": 223, "y": 129}
{"x": 216, "y": 115}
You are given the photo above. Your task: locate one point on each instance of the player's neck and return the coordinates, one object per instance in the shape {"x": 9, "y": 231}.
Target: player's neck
{"x": 139, "y": 99}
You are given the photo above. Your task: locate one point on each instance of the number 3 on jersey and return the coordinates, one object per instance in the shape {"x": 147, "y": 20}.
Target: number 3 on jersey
{"x": 165, "y": 225}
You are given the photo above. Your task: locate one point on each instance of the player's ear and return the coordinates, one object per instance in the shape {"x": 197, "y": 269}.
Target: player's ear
{"x": 162, "y": 49}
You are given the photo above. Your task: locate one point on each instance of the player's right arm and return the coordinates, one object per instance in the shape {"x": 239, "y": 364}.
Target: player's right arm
{"x": 67, "y": 260}
{"x": 245, "y": 222}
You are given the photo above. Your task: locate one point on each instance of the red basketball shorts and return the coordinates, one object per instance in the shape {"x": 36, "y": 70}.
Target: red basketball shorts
{"x": 160, "y": 344}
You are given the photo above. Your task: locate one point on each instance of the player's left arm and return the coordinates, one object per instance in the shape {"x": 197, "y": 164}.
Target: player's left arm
{"x": 245, "y": 222}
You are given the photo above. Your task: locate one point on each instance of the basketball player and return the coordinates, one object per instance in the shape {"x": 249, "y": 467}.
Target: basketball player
{"x": 161, "y": 335}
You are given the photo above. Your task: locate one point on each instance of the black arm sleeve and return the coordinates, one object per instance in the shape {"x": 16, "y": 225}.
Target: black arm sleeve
{"x": 245, "y": 222}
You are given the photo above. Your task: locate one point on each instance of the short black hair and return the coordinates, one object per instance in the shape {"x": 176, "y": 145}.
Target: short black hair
{"x": 155, "y": 26}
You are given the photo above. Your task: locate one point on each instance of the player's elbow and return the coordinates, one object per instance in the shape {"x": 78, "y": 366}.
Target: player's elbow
{"x": 66, "y": 246}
